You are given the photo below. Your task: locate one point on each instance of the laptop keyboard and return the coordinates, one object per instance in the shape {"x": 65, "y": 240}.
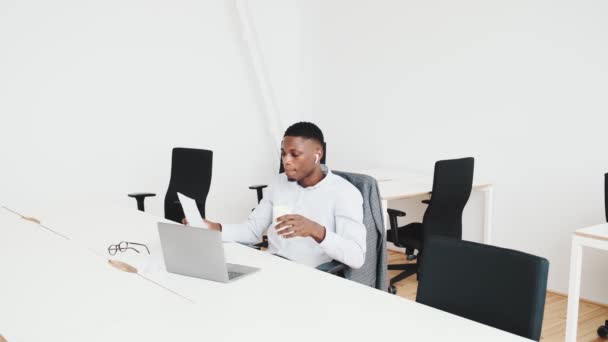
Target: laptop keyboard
{"x": 232, "y": 275}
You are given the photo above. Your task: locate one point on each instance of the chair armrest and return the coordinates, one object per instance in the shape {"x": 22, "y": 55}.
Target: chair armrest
{"x": 392, "y": 218}
{"x": 140, "y": 197}
{"x": 258, "y": 189}
{"x": 395, "y": 212}
{"x": 141, "y": 194}
{"x": 333, "y": 267}
{"x": 259, "y": 186}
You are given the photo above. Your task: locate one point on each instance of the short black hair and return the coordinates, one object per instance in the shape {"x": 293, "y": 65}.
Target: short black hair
{"x": 306, "y": 130}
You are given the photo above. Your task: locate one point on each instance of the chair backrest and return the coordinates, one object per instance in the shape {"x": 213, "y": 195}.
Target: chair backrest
{"x": 281, "y": 169}
{"x": 191, "y": 176}
{"x": 495, "y": 286}
{"x": 373, "y": 271}
{"x": 452, "y": 184}
{"x": 606, "y": 195}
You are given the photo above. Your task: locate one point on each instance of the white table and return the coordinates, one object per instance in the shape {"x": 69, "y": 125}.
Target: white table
{"x": 54, "y": 290}
{"x": 594, "y": 237}
{"x": 278, "y": 303}
{"x": 396, "y": 184}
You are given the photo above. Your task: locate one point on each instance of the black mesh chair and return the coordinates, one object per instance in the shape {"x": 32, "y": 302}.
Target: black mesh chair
{"x": 452, "y": 184}
{"x": 499, "y": 287}
{"x": 190, "y": 175}
{"x": 260, "y": 188}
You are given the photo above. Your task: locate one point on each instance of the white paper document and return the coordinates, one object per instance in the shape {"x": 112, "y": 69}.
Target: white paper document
{"x": 191, "y": 211}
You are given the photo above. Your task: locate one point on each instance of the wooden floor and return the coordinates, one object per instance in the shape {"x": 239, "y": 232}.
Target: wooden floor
{"x": 554, "y": 325}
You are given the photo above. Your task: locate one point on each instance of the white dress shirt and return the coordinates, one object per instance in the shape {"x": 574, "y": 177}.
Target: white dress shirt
{"x": 333, "y": 203}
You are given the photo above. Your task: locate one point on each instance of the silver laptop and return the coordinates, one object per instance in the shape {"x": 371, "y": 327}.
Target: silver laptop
{"x": 197, "y": 252}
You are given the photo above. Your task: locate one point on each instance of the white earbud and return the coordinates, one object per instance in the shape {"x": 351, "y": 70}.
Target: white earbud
{"x": 317, "y": 158}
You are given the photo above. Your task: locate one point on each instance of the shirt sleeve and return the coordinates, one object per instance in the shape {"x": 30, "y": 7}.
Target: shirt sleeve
{"x": 259, "y": 220}
{"x": 347, "y": 245}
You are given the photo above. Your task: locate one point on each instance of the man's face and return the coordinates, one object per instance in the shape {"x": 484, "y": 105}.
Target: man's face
{"x": 298, "y": 155}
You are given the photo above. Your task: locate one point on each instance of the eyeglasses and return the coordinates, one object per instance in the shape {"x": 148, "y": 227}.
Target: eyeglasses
{"x": 123, "y": 246}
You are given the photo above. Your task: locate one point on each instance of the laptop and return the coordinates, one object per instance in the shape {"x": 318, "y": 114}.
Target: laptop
{"x": 197, "y": 252}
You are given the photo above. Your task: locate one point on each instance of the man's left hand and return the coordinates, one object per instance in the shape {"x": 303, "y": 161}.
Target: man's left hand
{"x": 297, "y": 225}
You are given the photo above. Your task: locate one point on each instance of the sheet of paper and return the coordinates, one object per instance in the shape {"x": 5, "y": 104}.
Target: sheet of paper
{"x": 191, "y": 211}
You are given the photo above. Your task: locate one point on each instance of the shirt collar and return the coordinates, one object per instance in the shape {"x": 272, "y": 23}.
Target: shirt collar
{"x": 325, "y": 179}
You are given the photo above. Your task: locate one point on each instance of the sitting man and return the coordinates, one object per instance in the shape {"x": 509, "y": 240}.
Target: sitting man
{"x": 320, "y": 215}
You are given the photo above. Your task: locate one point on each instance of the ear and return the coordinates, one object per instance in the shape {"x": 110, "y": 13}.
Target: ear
{"x": 318, "y": 155}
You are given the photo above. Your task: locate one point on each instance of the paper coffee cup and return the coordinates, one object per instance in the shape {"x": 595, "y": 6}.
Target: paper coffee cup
{"x": 278, "y": 211}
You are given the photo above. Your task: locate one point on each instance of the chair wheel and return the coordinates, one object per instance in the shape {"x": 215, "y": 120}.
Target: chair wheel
{"x": 602, "y": 331}
{"x": 392, "y": 289}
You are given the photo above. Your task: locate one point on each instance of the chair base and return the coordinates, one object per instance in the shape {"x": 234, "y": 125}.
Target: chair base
{"x": 392, "y": 289}
{"x": 408, "y": 270}
{"x": 602, "y": 331}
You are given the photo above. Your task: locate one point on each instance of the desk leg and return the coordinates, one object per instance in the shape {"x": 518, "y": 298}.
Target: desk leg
{"x": 574, "y": 289}
{"x": 488, "y": 214}
{"x": 385, "y": 214}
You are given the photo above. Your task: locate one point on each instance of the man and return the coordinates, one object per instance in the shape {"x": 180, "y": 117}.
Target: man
{"x": 325, "y": 212}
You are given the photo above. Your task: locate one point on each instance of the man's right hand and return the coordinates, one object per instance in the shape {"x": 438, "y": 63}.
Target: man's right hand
{"x": 211, "y": 225}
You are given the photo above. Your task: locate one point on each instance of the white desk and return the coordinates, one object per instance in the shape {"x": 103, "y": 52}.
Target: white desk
{"x": 395, "y": 184}
{"x": 277, "y": 303}
{"x": 594, "y": 237}
{"x": 53, "y": 290}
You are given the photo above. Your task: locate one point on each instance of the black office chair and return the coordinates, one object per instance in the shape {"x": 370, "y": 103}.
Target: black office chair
{"x": 499, "y": 287}
{"x": 452, "y": 184}
{"x": 190, "y": 175}
{"x": 260, "y": 187}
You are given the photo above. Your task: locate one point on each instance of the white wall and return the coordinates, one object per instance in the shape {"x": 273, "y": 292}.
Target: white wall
{"x": 277, "y": 26}
{"x": 94, "y": 94}
{"x": 519, "y": 85}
